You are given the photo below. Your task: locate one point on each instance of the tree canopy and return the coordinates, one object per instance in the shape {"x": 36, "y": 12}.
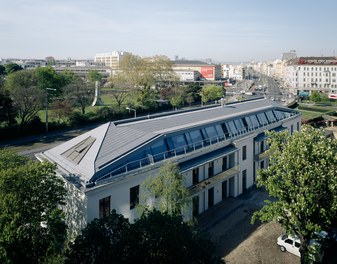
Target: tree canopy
{"x": 165, "y": 192}
{"x": 32, "y": 227}
{"x": 94, "y": 76}
{"x": 302, "y": 177}
{"x": 27, "y": 97}
{"x": 2, "y": 70}
{"x": 101, "y": 241}
{"x": 48, "y": 78}
{"x": 211, "y": 92}
{"x": 154, "y": 238}
{"x": 7, "y": 109}
{"x": 12, "y": 67}
{"x": 79, "y": 93}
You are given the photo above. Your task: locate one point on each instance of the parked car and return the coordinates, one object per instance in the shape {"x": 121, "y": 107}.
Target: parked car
{"x": 292, "y": 245}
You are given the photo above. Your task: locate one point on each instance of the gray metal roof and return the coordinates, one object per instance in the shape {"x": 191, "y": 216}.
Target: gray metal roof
{"x": 115, "y": 141}
{"x": 167, "y": 124}
{"x": 190, "y": 63}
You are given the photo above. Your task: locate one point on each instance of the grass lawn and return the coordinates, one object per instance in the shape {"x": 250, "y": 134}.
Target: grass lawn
{"x": 309, "y": 114}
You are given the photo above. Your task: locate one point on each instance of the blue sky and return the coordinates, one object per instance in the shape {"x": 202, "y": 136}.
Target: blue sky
{"x": 223, "y": 30}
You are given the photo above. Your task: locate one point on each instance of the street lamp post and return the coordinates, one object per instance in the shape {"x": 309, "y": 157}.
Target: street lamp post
{"x": 50, "y": 89}
{"x": 128, "y": 108}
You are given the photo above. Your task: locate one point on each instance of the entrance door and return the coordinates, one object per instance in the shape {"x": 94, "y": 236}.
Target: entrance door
{"x": 210, "y": 197}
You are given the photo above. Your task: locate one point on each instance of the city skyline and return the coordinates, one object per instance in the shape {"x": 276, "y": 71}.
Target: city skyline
{"x": 221, "y": 30}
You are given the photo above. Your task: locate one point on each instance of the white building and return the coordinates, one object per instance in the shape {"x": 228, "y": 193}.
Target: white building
{"x": 235, "y": 72}
{"x": 311, "y": 74}
{"x": 111, "y": 59}
{"x": 187, "y": 75}
{"x": 218, "y": 150}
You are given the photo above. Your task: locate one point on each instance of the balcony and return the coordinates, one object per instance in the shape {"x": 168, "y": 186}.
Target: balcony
{"x": 214, "y": 180}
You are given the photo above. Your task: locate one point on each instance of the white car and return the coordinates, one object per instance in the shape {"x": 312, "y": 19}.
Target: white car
{"x": 290, "y": 244}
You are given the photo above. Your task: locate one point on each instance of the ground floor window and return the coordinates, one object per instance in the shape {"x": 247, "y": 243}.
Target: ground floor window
{"x": 104, "y": 207}
{"x": 134, "y": 197}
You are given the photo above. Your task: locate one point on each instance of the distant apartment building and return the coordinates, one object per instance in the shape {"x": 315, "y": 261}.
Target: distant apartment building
{"x": 311, "y": 74}
{"x": 196, "y": 69}
{"x": 25, "y": 63}
{"x": 111, "y": 60}
{"x": 83, "y": 71}
{"x": 236, "y": 72}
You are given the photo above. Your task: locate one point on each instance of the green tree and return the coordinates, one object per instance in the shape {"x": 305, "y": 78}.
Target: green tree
{"x": 94, "y": 76}
{"x": 302, "y": 177}
{"x": 315, "y": 97}
{"x": 194, "y": 90}
{"x": 32, "y": 227}
{"x": 48, "y": 78}
{"x": 61, "y": 111}
{"x": 162, "y": 70}
{"x": 211, "y": 92}
{"x": 79, "y": 93}
{"x": 149, "y": 240}
{"x": 119, "y": 88}
{"x": 101, "y": 241}
{"x": 168, "y": 188}
{"x": 177, "y": 97}
{"x": 12, "y": 67}
{"x": 27, "y": 98}
{"x": 137, "y": 71}
{"x": 2, "y": 70}
{"x": 165, "y": 238}
{"x": 8, "y": 112}
{"x": 143, "y": 75}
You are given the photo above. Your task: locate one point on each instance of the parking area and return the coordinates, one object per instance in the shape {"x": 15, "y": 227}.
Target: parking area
{"x": 238, "y": 241}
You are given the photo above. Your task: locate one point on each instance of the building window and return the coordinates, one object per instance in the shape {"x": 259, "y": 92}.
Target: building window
{"x": 244, "y": 152}
{"x": 134, "y": 196}
{"x": 195, "y": 173}
{"x": 261, "y": 146}
{"x": 224, "y": 163}
{"x": 262, "y": 164}
{"x": 104, "y": 207}
{"x": 210, "y": 169}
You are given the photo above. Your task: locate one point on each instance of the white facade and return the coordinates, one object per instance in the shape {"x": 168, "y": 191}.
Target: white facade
{"x": 233, "y": 71}
{"x": 187, "y": 75}
{"x": 311, "y": 74}
{"x": 111, "y": 59}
